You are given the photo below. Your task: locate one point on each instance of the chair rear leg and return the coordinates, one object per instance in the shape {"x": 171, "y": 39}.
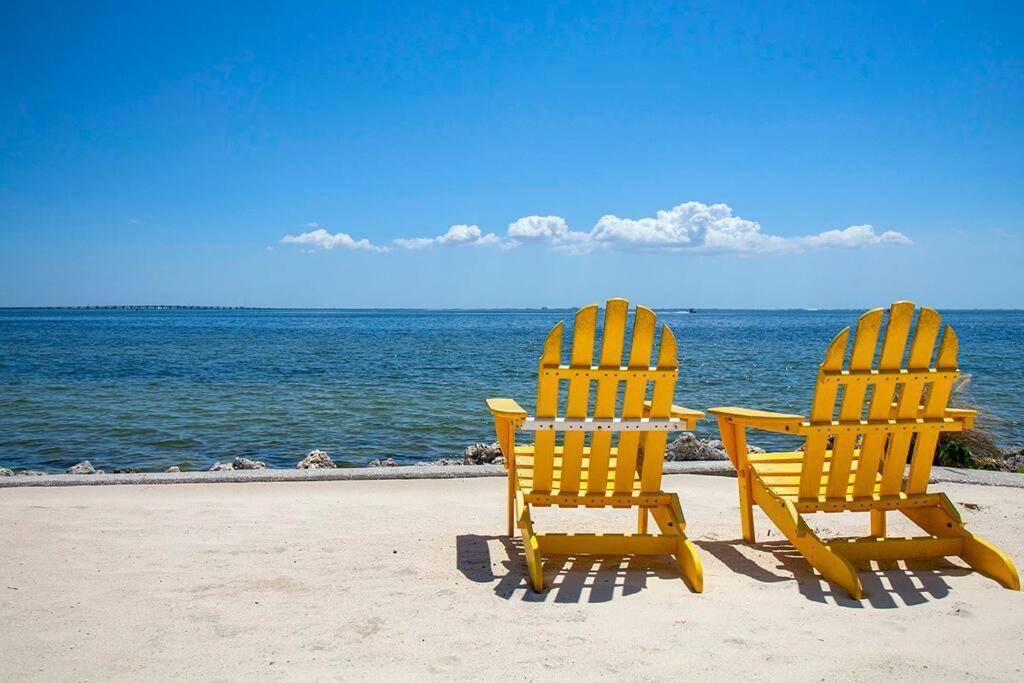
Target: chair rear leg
{"x": 979, "y": 554}
{"x": 534, "y": 564}
{"x": 511, "y": 506}
{"x": 641, "y": 520}
{"x": 670, "y": 520}
{"x": 878, "y": 523}
{"x": 743, "y": 478}
{"x": 531, "y": 546}
{"x": 831, "y": 566}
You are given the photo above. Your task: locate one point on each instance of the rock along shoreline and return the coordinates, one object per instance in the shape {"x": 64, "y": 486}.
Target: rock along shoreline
{"x": 685, "y": 448}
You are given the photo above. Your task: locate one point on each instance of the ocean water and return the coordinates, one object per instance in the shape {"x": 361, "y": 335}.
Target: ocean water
{"x": 155, "y": 388}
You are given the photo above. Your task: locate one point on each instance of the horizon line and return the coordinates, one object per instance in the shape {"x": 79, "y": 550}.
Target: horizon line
{"x": 201, "y": 307}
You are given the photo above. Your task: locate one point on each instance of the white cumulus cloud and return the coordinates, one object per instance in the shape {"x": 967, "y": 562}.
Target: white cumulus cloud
{"x": 855, "y": 236}
{"x": 692, "y": 226}
{"x": 688, "y": 227}
{"x": 318, "y": 238}
{"x": 457, "y": 235}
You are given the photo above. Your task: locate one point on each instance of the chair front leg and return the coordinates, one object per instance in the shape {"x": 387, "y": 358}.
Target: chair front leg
{"x": 734, "y": 438}
{"x": 511, "y": 504}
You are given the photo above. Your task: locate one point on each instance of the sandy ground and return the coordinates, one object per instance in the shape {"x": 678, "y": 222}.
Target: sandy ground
{"x": 371, "y": 579}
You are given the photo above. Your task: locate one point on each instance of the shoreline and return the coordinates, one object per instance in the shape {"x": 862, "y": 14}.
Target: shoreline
{"x": 424, "y": 472}
{"x": 687, "y": 453}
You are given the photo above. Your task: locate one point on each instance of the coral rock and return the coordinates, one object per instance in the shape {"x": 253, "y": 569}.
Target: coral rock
{"x": 387, "y": 462}
{"x": 247, "y": 464}
{"x": 316, "y": 460}
{"x": 689, "y": 447}
{"x": 84, "y": 467}
{"x": 447, "y": 462}
{"x": 482, "y": 454}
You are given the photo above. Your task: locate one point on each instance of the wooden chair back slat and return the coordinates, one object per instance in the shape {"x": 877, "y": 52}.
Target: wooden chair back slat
{"x": 635, "y": 391}
{"x": 935, "y": 403}
{"x": 613, "y": 338}
{"x": 822, "y": 410}
{"x": 584, "y": 331}
{"x": 547, "y": 406}
{"x": 662, "y": 395}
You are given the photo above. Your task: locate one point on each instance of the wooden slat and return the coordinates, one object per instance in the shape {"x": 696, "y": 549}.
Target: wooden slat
{"x": 661, "y": 406}
{"x": 786, "y": 467}
{"x": 935, "y": 406}
{"x": 607, "y": 544}
{"x": 584, "y": 329}
{"x": 788, "y": 456}
{"x": 869, "y": 376}
{"x": 547, "y": 406}
{"x": 596, "y": 372}
{"x": 919, "y": 357}
{"x": 897, "y": 328}
{"x": 861, "y": 357}
{"x": 864, "y": 549}
{"x": 945, "y": 359}
{"x": 822, "y": 410}
{"x": 605, "y": 425}
{"x": 613, "y": 338}
{"x": 921, "y": 464}
{"x": 633, "y": 398}
{"x": 824, "y": 402}
{"x": 881, "y": 426}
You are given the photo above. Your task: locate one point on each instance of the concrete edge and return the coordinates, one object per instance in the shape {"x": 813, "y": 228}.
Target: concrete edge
{"x": 339, "y": 474}
{"x": 980, "y": 477}
{"x": 712, "y": 467}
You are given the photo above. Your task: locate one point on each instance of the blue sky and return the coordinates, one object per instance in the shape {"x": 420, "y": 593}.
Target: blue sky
{"x": 818, "y": 154}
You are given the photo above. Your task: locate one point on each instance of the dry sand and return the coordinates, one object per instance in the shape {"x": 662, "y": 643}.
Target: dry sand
{"x": 372, "y": 579}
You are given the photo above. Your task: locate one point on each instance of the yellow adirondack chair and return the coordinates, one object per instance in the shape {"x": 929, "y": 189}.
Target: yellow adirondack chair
{"x": 858, "y": 443}
{"x": 626, "y": 474}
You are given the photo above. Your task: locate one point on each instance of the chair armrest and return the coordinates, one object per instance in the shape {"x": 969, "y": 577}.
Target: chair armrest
{"x": 687, "y": 415}
{"x": 508, "y": 416}
{"x": 962, "y": 415}
{"x": 761, "y": 419}
{"x": 505, "y": 408}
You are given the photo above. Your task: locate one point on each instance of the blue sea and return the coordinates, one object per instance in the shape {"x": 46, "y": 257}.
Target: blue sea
{"x": 154, "y": 388}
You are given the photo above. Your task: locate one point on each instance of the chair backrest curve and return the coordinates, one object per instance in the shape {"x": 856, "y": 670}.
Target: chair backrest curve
{"x": 604, "y": 389}
{"x": 879, "y": 405}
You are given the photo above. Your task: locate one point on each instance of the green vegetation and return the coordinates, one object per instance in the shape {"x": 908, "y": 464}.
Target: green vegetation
{"x": 972, "y": 448}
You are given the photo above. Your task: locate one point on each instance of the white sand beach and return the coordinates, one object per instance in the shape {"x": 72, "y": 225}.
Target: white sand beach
{"x": 380, "y": 579}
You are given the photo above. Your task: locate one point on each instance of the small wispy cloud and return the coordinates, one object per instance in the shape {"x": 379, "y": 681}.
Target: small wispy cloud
{"x": 319, "y": 238}
{"x": 457, "y": 235}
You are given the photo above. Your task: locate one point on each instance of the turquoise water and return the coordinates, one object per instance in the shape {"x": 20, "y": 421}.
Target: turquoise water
{"x": 151, "y": 389}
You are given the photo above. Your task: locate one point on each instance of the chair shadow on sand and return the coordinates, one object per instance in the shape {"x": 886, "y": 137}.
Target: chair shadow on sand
{"x": 572, "y": 579}
{"x": 887, "y": 585}
{"x": 598, "y": 578}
